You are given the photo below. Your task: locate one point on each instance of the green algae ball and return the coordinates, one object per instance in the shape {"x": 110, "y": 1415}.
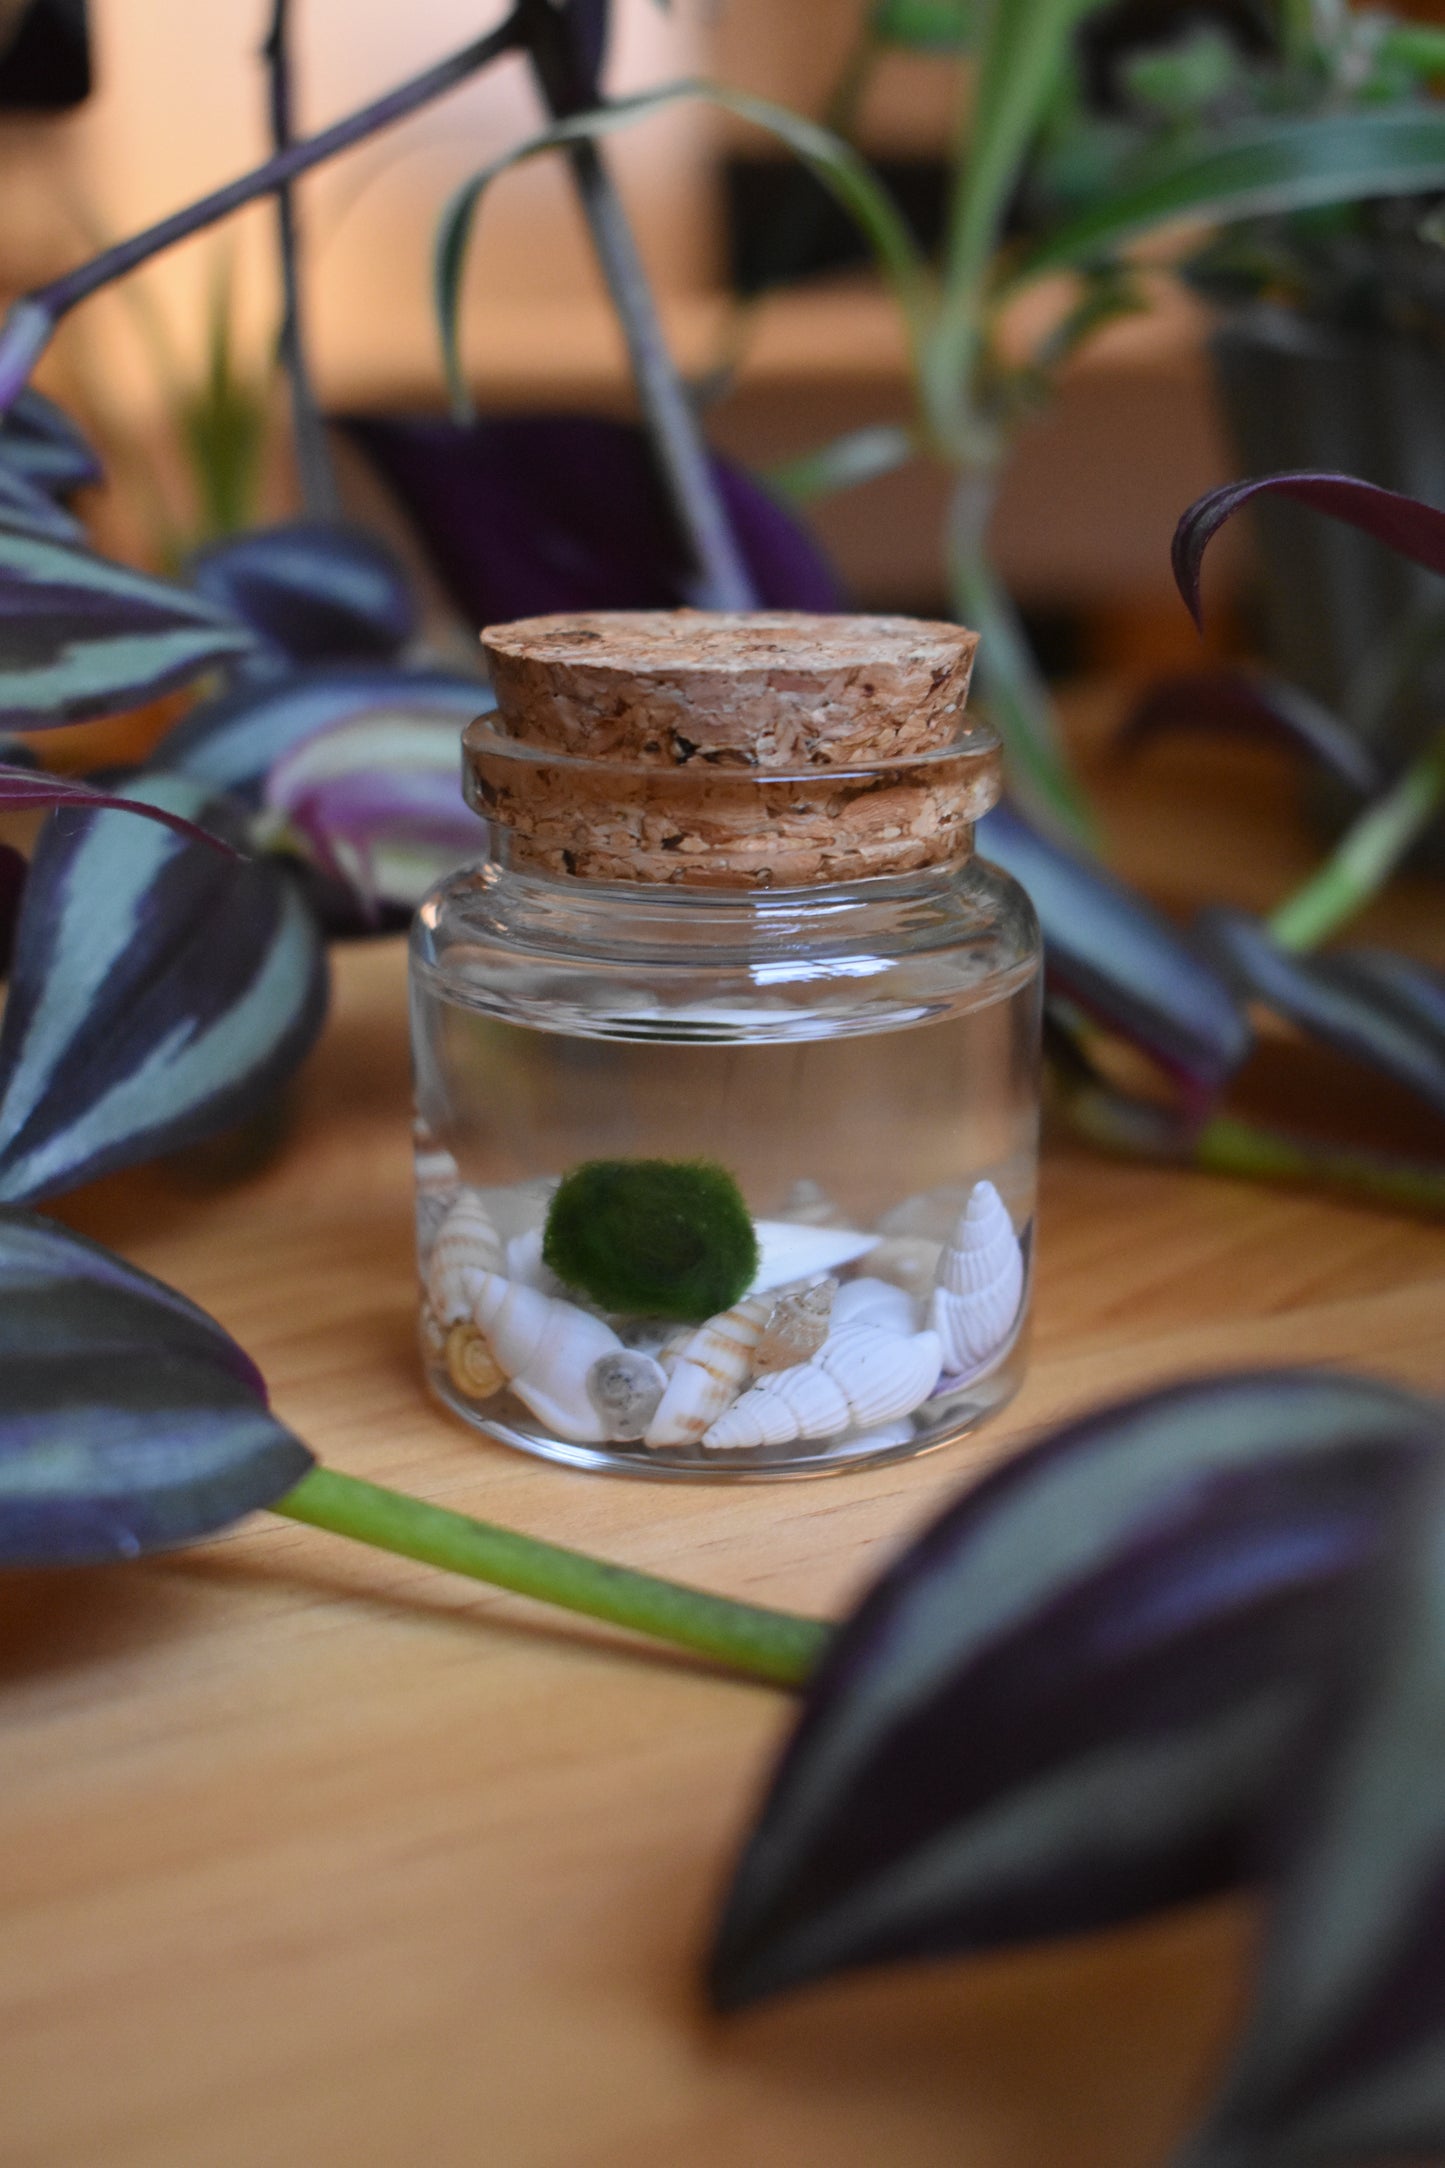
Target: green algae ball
{"x": 652, "y": 1237}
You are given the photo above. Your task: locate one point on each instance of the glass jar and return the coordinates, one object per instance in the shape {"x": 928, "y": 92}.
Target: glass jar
{"x": 793, "y": 1119}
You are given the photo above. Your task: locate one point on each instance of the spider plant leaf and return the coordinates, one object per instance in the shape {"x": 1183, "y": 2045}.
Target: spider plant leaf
{"x": 1118, "y": 959}
{"x": 314, "y": 589}
{"x": 928, "y": 26}
{"x": 86, "y": 637}
{"x": 1070, "y": 1698}
{"x": 1253, "y": 704}
{"x": 129, "y": 1421}
{"x": 233, "y": 741}
{"x": 1390, "y": 1022}
{"x": 159, "y": 992}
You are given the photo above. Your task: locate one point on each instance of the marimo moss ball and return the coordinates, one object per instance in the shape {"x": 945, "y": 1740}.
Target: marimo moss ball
{"x": 652, "y": 1237}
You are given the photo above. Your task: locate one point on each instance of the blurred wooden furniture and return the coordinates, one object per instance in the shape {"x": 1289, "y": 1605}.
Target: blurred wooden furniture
{"x": 309, "y": 1857}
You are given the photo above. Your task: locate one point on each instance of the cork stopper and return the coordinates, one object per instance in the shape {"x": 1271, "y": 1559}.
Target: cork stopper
{"x": 766, "y": 749}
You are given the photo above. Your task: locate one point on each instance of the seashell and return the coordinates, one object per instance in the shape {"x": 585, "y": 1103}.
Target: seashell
{"x": 467, "y": 1246}
{"x": 868, "y": 1301}
{"x": 788, "y": 1252}
{"x": 864, "y": 1376}
{"x": 625, "y": 1388}
{"x": 545, "y": 1349}
{"x": 708, "y": 1370}
{"x": 906, "y": 1261}
{"x": 524, "y": 1263}
{"x": 797, "y": 1327}
{"x": 980, "y": 1282}
{"x": 471, "y": 1365}
{"x": 808, "y": 1204}
{"x": 881, "y": 1440}
{"x": 433, "y": 1334}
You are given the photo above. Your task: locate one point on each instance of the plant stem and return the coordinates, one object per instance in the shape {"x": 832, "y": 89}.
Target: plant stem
{"x": 1366, "y": 856}
{"x": 313, "y": 453}
{"x": 683, "y": 466}
{"x": 777, "y": 1646}
{"x": 1227, "y": 1146}
{"x": 31, "y": 321}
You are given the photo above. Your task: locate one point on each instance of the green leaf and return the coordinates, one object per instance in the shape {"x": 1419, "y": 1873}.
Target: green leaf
{"x": 931, "y": 26}
{"x": 841, "y": 169}
{"x": 860, "y": 456}
{"x": 1256, "y": 169}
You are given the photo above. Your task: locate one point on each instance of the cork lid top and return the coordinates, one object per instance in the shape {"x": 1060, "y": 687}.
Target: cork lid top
{"x": 765, "y": 689}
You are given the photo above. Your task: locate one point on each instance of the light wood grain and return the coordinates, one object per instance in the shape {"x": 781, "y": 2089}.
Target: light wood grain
{"x": 311, "y": 1859}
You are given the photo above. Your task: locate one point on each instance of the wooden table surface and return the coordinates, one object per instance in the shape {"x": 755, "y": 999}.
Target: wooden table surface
{"x": 310, "y": 1858}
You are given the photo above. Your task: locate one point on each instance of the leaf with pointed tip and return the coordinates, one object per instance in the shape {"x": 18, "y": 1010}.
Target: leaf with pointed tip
{"x": 1388, "y": 1023}
{"x": 1066, "y": 1703}
{"x": 12, "y": 887}
{"x": 316, "y": 590}
{"x": 159, "y": 993}
{"x": 542, "y": 512}
{"x": 380, "y": 803}
{"x": 1403, "y": 524}
{"x": 129, "y": 1421}
{"x": 1108, "y": 951}
{"x": 29, "y": 510}
{"x": 1343, "y": 2053}
{"x": 31, "y": 790}
{"x": 42, "y": 444}
{"x": 80, "y": 636}
{"x": 1253, "y": 704}
{"x": 233, "y": 741}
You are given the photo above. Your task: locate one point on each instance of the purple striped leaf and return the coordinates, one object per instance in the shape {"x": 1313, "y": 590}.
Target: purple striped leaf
{"x": 1405, "y": 525}
{"x": 42, "y": 444}
{"x": 234, "y": 741}
{"x": 1105, "y": 949}
{"x": 314, "y": 590}
{"x": 12, "y": 887}
{"x": 1069, "y": 1700}
{"x": 31, "y": 790}
{"x": 129, "y": 1421}
{"x": 1253, "y": 705}
{"x": 1385, "y": 1019}
{"x": 1343, "y": 2053}
{"x": 159, "y": 993}
{"x": 545, "y": 512}
{"x": 28, "y": 509}
{"x": 80, "y": 636}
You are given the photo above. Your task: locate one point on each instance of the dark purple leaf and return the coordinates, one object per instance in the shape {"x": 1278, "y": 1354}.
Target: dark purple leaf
{"x": 43, "y": 445}
{"x": 316, "y": 591}
{"x": 27, "y": 508}
{"x": 1253, "y": 705}
{"x": 129, "y": 1421}
{"x": 1067, "y": 1702}
{"x": 80, "y": 636}
{"x": 12, "y": 885}
{"x": 234, "y": 741}
{"x": 548, "y": 512}
{"x": 159, "y": 993}
{"x": 1405, "y": 525}
{"x": 1344, "y": 1005}
{"x": 1108, "y": 951}
{"x": 1343, "y": 2055}
{"x": 30, "y": 790}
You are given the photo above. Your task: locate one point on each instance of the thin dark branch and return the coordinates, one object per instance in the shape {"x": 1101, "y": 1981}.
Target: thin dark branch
{"x": 31, "y": 321}
{"x": 683, "y": 466}
{"x": 313, "y": 453}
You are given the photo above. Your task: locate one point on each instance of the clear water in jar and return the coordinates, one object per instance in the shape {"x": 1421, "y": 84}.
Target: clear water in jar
{"x": 875, "y": 1163}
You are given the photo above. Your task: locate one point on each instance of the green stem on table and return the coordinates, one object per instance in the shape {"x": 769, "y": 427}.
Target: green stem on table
{"x": 1366, "y": 856}
{"x": 1227, "y": 1146}
{"x": 1018, "y": 698}
{"x": 777, "y": 1646}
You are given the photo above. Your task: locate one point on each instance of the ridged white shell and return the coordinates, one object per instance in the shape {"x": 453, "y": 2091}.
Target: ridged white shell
{"x": 467, "y": 1247}
{"x": 867, "y": 1301}
{"x": 980, "y": 1282}
{"x": 706, "y": 1372}
{"x": 789, "y": 1252}
{"x": 864, "y": 1377}
{"x": 545, "y": 1348}
{"x": 524, "y": 1263}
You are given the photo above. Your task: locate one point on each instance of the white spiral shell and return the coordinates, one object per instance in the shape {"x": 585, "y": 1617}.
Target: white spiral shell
{"x": 980, "y": 1282}
{"x": 788, "y": 1252}
{"x": 545, "y": 1349}
{"x": 708, "y": 1370}
{"x": 867, "y": 1301}
{"x": 862, "y": 1377}
{"x": 467, "y": 1246}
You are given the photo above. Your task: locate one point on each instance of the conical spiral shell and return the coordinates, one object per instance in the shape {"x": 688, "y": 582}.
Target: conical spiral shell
{"x": 545, "y": 1349}
{"x": 980, "y": 1282}
{"x": 861, "y": 1377}
{"x": 709, "y": 1369}
{"x": 467, "y": 1246}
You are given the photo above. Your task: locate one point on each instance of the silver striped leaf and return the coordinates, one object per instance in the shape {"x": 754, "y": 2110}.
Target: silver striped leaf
{"x": 160, "y": 992}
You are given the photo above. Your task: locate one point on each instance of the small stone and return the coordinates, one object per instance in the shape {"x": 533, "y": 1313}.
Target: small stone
{"x": 796, "y": 1329}
{"x": 625, "y": 1387}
